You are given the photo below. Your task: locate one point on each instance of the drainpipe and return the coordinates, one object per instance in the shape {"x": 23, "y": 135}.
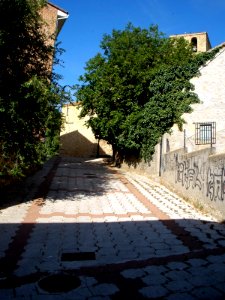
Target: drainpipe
{"x": 184, "y": 140}
{"x": 97, "y": 154}
{"x": 160, "y": 157}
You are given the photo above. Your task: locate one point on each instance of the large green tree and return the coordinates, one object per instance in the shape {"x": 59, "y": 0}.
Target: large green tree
{"x": 137, "y": 87}
{"x": 29, "y": 98}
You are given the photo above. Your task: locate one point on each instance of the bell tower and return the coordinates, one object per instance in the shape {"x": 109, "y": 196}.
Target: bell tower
{"x": 199, "y": 41}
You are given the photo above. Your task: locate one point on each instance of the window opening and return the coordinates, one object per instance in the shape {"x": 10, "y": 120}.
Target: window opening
{"x": 205, "y": 133}
{"x": 194, "y": 44}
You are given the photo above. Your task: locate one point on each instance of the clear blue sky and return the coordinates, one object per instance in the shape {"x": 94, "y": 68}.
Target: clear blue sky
{"x": 90, "y": 19}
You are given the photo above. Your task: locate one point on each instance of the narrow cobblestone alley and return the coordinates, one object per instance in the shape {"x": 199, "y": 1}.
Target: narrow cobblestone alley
{"x": 88, "y": 231}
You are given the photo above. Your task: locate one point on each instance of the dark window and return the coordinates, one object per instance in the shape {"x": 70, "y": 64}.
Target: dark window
{"x": 194, "y": 44}
{"x": 205, "y": 133}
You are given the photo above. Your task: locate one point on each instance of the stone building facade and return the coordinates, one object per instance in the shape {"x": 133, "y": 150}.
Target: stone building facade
{"x": 199, "y": 41}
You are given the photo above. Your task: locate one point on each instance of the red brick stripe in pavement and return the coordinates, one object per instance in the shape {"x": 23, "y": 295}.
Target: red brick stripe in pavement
{"x": 191, "y": 242}
{"x": 9, "y": 263}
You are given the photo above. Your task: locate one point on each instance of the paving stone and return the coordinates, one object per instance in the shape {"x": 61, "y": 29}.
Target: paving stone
{"x": 217, "y": 267}
{"x": 177, "y": 265}
{"x": 81, "y": 293}
{"x": 181, "y": 285}
{"x": 88, "y": 281}
{"x": 153, "y": 291}
{"x": 155, "y": 269}
{"x": 160, "y": 246}
{"x": 220, "y": 286}
{"x": 180, "y": 249}
{"x": 133, "y": 273}
{"x": 104, "y": 289}
{"x": 27, "y": 289}
{"x": 220, "y": 242}
{"x": 48, "y": 297}
{"x": 207, "y": 293}
{"x": 180, "y": 296}
{"x": 201, "y": 280}
{"x": 209, "y": 246}
{"x": 177, "y": 275}
{"x": 126, "y": 255}
{"x": 155, "y": 279}
{"x": 197, "y": 262}
{"x": 33, "y": 253}
{"x": 218, "y": 258}
{"x": 164, "y": 252}
{"x": 26, "y": 266}
{"x": 195, "y": 271}
{"x": 146, "y": 252}
{"x": 100, "y": 298}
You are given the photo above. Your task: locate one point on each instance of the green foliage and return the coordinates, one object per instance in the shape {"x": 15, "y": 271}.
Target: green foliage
{"x": 29, "y": 98}
{"x": 138, "y": 87}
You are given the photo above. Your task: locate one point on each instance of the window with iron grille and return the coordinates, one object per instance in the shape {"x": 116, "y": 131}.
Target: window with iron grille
{"x": 205, "y": 133}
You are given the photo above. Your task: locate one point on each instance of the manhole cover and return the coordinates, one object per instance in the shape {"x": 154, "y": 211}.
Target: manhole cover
{"x": 78, "y": 256}
{"x": 59, "y": 283}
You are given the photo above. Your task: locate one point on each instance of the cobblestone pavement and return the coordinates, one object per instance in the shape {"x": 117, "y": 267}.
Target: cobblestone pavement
{"x": 87, "y": 231}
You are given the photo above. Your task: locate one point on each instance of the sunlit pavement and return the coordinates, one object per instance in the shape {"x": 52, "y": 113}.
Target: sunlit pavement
{"x": 88, "y": 231}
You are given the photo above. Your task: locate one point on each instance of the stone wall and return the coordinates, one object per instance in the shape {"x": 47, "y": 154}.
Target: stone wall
{"x": 198, "y": 176}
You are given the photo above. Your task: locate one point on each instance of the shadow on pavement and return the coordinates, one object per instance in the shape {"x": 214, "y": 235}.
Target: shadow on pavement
{"x": 128, "y": 250}
{"x": 37, "y": 185}
{"x": 105, "y": 249}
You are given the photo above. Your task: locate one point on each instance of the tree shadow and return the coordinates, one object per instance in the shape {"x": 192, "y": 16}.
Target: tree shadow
{"x": 108, "y": 251}
{"x": 51, "y": 177}
{"x": 60, "y": 234}
{"x": 85, "y": 177}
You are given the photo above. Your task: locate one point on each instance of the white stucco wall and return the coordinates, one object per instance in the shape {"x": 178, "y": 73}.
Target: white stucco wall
{"x": 210, "y": 87}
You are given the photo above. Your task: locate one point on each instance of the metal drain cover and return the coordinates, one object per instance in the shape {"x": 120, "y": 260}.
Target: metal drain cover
{"x": 59, "y": 283}
{"x": 78, "y": 256}
{"x": 90, "y": 175}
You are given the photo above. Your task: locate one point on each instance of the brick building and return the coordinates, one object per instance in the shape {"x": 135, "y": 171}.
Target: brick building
{"x": 54, "y": 17}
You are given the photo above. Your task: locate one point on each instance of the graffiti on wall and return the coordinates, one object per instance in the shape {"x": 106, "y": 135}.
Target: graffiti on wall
{"x": 189, "y": 175}
{"x": 193, "y": 174}
{"x": 216, "y": 184}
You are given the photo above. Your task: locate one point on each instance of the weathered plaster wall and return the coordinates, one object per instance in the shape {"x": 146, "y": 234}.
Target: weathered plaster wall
{"x": 77, "y": 139}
